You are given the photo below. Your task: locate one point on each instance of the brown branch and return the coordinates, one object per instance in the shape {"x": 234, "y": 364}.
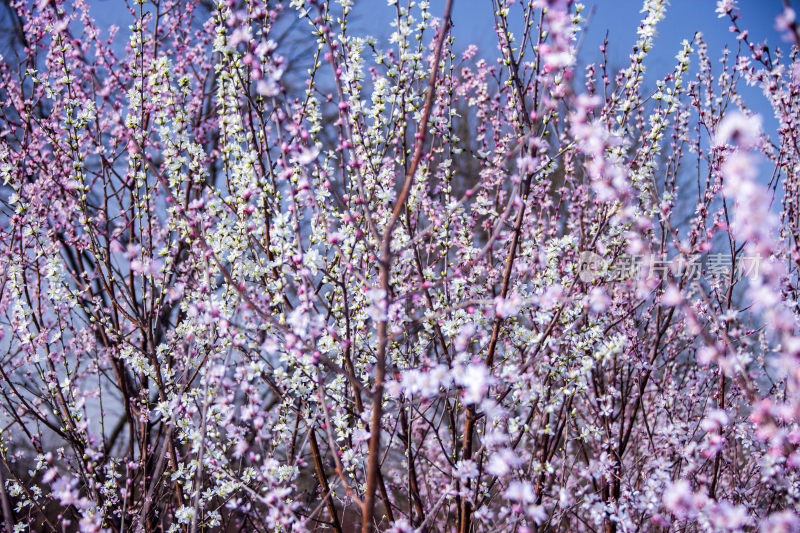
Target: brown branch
{"x": 324, "y": 487}
{"x": 373, "y": 466}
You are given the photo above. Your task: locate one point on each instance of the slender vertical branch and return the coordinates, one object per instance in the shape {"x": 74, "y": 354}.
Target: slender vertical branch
{"x": 385, "y": 265}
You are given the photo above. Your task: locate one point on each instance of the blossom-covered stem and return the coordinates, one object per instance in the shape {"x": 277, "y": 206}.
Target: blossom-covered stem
{"x": 385, "y": 266}
{"x": 247, "y": 287}
{"x": 470, "y": 415}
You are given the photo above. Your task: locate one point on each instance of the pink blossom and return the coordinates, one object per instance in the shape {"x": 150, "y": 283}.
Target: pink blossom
{"x": 739, "y": 129}
{"x": 506, "y": 307}
{"x": 725, "y": 7}
{"x": 679, "y": 499}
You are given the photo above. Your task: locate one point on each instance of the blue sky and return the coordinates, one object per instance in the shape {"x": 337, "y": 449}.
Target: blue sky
{"x": 474, "y": 22}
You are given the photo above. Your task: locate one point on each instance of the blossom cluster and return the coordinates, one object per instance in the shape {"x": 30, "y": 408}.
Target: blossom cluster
{"x": 246, "y": 287}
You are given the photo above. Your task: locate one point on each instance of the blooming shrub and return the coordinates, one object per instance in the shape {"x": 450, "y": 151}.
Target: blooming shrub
{"x": 406, "y": 289}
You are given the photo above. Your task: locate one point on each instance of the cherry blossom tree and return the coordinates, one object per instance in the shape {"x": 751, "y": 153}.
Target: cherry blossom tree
{"x": 397, "y": 285}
